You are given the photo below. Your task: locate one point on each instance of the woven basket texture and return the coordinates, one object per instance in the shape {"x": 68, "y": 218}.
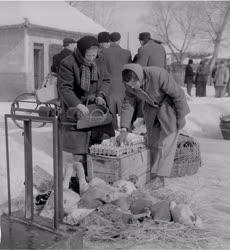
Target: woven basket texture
{"x": 187, "y": 158}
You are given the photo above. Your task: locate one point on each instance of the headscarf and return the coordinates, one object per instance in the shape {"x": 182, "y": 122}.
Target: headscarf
{"x": 89, "y": 71}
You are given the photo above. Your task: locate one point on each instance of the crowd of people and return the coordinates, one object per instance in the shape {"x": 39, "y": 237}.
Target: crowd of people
{"x": 219, "y": 78}
{"x": 99, "y": 69}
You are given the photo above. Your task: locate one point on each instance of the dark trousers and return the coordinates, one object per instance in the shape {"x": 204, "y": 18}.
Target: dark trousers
{"x": 201, "y": 89}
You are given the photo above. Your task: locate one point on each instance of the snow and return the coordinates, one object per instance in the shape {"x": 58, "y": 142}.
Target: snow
{"x": 207, "y": 191}
{"x": 53, "y": 14}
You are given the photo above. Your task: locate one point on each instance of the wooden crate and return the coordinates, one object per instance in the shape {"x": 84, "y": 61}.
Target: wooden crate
{"x": 112, "y": 169}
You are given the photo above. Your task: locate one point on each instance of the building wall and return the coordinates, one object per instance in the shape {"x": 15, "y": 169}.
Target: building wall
{"x": 17, "y": 56}
{"x": 12, "y": 63}
{"x": 48, "y": 37}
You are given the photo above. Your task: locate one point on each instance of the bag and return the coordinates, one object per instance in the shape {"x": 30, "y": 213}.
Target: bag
{"x": 98, "y": 116}
{"x": 48, "y": 92}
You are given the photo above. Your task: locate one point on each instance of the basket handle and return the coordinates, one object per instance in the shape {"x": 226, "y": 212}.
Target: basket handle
{"x": 92, "y": 117}
{"x": 46, "y": 80}
{"x": 90, "y": 98}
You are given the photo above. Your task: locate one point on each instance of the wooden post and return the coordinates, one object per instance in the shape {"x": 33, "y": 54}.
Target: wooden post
{"x": 28, "y": 170}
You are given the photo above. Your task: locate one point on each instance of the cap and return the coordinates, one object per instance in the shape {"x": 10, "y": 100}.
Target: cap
{"x": 67, "y": 41}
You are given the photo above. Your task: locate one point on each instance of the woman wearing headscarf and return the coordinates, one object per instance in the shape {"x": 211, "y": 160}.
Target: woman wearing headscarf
{"x": 81, "y": 79}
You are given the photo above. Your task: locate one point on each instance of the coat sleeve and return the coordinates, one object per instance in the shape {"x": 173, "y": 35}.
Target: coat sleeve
{"x": 127, "y": 109}
{"x": 105, "y": 80}
{"x": 142, "y": 57}
{"x": 66, "y": 85}
{"x": 53, "y": 66}
{"x": 175, "y": 92}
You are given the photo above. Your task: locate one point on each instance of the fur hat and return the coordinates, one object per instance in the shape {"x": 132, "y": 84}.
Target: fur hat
{"x": 85, "y": 43}
{"x": 103, "y": 37}
{"x": 144, "y": 36}
{"x": 67, "y": 41}
{"x": 115, "y": 36}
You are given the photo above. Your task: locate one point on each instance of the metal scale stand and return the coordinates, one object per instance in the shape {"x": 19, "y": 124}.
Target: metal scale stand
{"x": 28, "y": 217}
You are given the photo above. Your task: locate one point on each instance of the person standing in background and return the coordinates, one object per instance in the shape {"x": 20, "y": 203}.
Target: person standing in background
{"x": 69, "y": 45}
{"x": 221, "y": 79}
{"x": 151, "y": 52}
{"x": 103, "y": 40}
{"x": 189, "y": 74}
{"x": 228, "y": 84}
{"x": 115, "y": 57}
{"x": 201, "y": 79}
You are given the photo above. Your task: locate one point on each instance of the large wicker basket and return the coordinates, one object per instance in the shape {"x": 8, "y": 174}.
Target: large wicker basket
{"x": 187, "y": 158}
{"x": 225, "y": 126}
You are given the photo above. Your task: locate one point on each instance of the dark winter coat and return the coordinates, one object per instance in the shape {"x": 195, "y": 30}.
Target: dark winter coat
{"x": 71, "y": 94}
{"x": 158, "y": 84}
{"x": 58, "y": 58}
{"x": 189, "y": 74}
{"x": 201, "y": 80}
{"x": 115, "y": 57}
{"x": 151, "y": 54}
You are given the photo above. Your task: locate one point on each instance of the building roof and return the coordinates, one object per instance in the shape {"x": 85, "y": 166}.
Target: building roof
{"x": 53, "y": 14}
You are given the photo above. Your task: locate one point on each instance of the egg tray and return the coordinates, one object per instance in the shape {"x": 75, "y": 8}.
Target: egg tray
{"x": 111, "y": 150}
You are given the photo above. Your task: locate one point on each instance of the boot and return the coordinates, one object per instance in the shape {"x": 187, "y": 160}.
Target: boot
{"x": 78, "y": 167}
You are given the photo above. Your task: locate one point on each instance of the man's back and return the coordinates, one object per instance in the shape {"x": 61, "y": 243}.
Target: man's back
{"x": 115, "y": 57}
{"x": 152, "y": 54}
{"x": 58, "y": 58}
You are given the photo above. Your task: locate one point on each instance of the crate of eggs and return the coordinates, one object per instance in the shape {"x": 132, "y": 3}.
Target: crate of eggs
{"x": 110, "y": 148}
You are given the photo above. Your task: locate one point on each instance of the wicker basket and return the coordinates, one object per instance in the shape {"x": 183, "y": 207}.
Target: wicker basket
{"x": 187, "y": 158}
{"x": 225, "y": 126}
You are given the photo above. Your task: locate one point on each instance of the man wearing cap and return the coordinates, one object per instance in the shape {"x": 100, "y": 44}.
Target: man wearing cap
{"x": 103, "y": 39}
{"x": 69, "y": 45}
{"x": 115, "y": 57}
{"x": 164, "y": 110}
{"x": 151, "y": 52}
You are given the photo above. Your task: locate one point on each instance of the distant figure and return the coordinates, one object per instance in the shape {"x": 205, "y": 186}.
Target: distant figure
{"x": 201, "y": 79}
{"x": 221, "y": 79}
{"x": 69, "y": 45}
{"x": 189, "y": 74}
{"x": 115, "y": 57}
{"x": 228, "y": 84}
{"x": 151, "y": 52}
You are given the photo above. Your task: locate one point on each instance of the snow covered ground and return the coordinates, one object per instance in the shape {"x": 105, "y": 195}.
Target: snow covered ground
{"x": 207, "y": 191}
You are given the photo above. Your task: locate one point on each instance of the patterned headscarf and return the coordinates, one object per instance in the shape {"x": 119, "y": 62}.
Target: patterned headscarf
{"x": 88, "y": 71}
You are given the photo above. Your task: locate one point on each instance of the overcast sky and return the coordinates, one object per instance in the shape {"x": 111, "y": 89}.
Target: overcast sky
{"x": 127, "y": 19}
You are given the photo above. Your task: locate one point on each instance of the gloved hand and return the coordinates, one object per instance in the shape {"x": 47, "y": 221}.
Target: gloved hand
{"x": 100, "y": 101}
{"x": 122, "y": 138}
{"x": 180, "y": 123}
{"x": 83, "y": 109}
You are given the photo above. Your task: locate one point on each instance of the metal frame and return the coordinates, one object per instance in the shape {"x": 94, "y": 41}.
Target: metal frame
{"x": 57, "y": 165}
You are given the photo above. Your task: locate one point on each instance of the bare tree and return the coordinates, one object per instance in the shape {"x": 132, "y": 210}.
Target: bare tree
{"x": 214, "y": 25}
{"x": 175, "y": 24}
{"x": 101, "y": 12}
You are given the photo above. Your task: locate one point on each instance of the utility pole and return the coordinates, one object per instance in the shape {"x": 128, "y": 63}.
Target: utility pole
{"x": 128, "y": 40}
